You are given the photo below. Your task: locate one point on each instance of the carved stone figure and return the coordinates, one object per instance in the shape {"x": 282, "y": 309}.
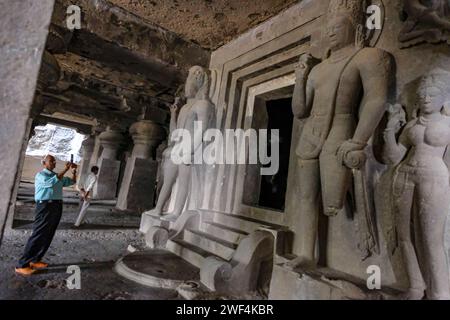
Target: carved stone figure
{"x": 427, "y": 21}
{"x": 421, "y": 191}
{"x": 198, "y": 107}
{"x": 342, "y": 100}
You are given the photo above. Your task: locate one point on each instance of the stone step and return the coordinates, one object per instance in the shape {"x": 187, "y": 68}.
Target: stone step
{"x": 237, "y": 222}
{"x": 192, "y": 254}
{"x": 223, "y": 232}
{"x": 210, "y": 243}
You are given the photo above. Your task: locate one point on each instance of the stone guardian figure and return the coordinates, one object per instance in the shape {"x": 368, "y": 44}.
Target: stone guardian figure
{"x": 421, "y": 190}
{"x": 341, "y": 100}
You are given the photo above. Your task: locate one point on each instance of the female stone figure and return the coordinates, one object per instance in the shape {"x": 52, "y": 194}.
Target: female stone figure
{"x": 421, "y": 191}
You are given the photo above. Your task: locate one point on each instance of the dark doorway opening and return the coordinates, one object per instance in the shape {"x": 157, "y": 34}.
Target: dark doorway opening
{"x": 273, "y": 188}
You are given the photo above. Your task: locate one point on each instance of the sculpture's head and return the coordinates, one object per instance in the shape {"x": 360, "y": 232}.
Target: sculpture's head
{"x": 340, "y": 32}
{"x": 434, "y": 91}
{"x": 197, "y": 83}
{"x": 344, "y": 19}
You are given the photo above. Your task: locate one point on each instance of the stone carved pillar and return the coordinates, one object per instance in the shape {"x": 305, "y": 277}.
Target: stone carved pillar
{"x": 85, "y": 167}
{"x": 139, "y": 181}
{"x": 109, "y": 166}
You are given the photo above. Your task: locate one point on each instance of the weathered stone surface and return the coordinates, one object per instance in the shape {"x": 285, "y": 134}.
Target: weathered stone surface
{"x": 322, "y": 285}
{"x": 212, "y": 23}
{"x": 427, "y": 22}
{"x": 24, "y": 29}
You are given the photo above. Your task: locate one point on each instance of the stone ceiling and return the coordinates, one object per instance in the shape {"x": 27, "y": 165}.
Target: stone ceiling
{"x": 130, "y": 57}
{"x": 210, "y": 23}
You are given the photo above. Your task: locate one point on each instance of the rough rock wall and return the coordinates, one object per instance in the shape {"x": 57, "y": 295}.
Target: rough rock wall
{"x": 210, "y": 23}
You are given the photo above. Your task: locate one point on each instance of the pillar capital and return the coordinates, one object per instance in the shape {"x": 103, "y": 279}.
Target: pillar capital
{"x": 88, "y": 144}
{"x": 146, "y": 136}
{"x": 111, "y": 141}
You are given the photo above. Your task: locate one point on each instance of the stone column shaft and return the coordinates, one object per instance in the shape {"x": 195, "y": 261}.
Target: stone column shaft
{"x": 109, "y": 166}
{"x": 139, "y": 181}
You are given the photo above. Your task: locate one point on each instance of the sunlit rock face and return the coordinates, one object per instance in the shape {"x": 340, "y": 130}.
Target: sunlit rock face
{"x": 58, "y": 141}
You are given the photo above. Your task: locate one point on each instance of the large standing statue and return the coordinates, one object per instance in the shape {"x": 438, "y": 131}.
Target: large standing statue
{"x": 198, "y": 107}
{"x": 421, "y": 190}
{"x": 427, "y": 21}
{"x": 342, "y": 100}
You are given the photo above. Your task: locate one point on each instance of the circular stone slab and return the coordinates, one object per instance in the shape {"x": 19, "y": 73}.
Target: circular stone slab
{"x": 156, "y": 268}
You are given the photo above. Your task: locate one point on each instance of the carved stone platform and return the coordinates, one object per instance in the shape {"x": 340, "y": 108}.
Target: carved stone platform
{"x": 228, "y": 250}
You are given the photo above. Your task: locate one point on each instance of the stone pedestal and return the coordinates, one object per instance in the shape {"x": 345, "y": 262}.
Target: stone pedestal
{"x": 139, "y": 181}
{"x": 109, "y": 167}
{"x": 322, "y": 284}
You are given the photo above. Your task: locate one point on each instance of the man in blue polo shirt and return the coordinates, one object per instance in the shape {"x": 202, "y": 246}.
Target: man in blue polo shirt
{"x": 48, "y": 195}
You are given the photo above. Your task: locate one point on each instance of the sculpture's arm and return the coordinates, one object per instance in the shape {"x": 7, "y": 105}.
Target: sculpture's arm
{"x": 393, "y": 151}
{"x": 302, "y": 99}
{"x": 303, "y": 96}
{"x": 173, "y": 115}
{"x": 173, "y": 121}
{"x": 375, "y": 71}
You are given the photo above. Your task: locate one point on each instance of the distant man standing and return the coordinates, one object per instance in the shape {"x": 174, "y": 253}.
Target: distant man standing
{"x": 48, "y": 196}
{"x": 85, "y": 194}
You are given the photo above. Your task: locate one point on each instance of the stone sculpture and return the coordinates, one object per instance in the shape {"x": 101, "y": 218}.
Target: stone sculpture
{"x": 427, "y": 21}
{"x": 342, "y": 100}
{"x": 198, "y": 107}
{"x": 421, "y": 191}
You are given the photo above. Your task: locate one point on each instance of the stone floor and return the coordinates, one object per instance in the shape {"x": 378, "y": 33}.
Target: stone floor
{"x": 104, "y": 238}
{"x": 93, "y": 251}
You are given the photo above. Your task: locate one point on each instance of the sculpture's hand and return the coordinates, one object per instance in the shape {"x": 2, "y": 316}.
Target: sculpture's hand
{"x": 173, "y": 108}
{"x": 351, "y": 154}
{"x": 305, "y": 64}
{"x": 396, "y": 117}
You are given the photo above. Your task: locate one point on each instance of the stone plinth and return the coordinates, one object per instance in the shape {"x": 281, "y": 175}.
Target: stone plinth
{"x": 322, "y": 284}
{"x": 109, "y": 166}
{"x": 139, "y": 181}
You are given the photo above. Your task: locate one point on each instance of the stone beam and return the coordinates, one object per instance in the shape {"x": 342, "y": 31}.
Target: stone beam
{"x": 132, "y": 44}
{"x": 80, "y": 127}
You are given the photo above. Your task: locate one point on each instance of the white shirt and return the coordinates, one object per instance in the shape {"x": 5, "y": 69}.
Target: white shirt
{"x": 89, "y": 183}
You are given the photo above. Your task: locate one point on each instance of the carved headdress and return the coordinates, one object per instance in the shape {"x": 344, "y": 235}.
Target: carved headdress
{"x": 354, "y": 10}
{"x": 438, "y": 77}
